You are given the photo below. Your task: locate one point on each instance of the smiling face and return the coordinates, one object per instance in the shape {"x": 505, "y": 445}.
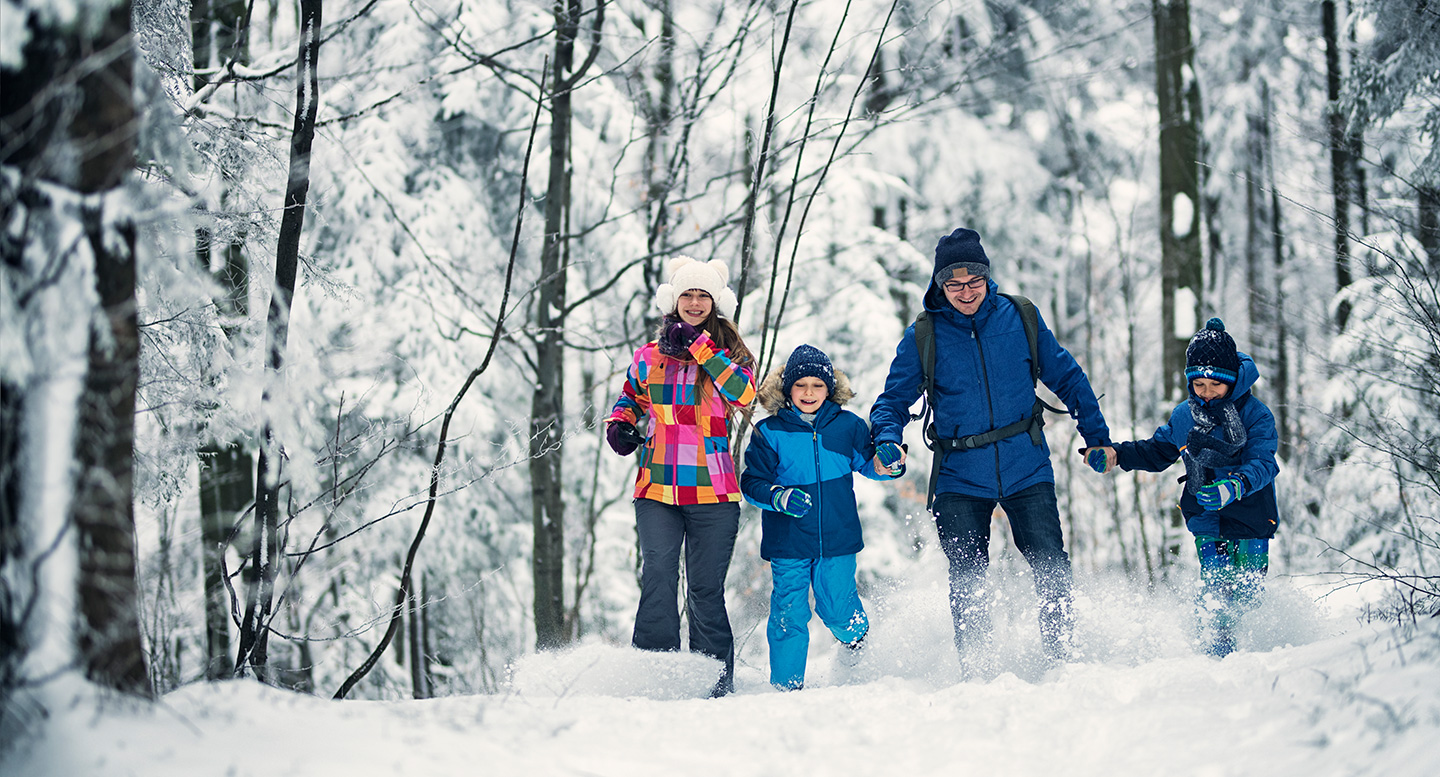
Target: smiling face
{"x": 1209, "y": 389}
{"x": 965, "y": 291}
{"x": 694, "y": 306}
{"x": 808, "y": 393}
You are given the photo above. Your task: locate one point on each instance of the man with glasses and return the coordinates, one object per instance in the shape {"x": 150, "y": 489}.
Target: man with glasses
{"x": 986, "y": 436}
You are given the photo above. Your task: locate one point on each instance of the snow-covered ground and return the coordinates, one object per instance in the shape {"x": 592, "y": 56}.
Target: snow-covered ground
{"x": 1314, "y": 692}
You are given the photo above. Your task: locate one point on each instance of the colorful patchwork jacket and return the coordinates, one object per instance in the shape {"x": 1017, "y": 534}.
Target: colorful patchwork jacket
{"x": 686, "y": 459}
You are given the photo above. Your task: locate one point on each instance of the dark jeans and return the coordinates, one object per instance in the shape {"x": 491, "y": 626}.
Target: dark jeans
{"x": 707, "y": 533}
{"x": 963, "y": 524}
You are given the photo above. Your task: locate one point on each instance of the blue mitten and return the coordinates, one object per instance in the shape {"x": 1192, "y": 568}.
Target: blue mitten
{"x": 889, "y": 455}
{"x": 790, "y": 501}
{"x": 1096, "y": 459}
{"x": 1218, "y": 494}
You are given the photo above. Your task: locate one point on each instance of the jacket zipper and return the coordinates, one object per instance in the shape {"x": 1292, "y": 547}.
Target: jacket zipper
{"x": 815, "y": 451}
{"x": 989, "y": 403}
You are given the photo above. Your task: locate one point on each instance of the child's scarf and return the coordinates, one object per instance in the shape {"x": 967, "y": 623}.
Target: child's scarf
{"x": 1211, "y": 452}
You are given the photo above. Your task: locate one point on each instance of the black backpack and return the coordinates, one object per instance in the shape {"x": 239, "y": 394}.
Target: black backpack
{"x": 925, "y": 343}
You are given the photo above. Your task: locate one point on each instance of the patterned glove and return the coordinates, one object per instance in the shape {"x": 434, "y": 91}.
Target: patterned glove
{"x": 677, "y": 338}
{"x": 623, "y": 437}
{"x": 790, "y": 501}
{"x": 1097, "y": 460}
{"x": 889, "y": 455}
{"x": 1218, "y": 494}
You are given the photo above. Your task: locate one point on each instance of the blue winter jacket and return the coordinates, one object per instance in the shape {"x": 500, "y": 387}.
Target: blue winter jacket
{"x": 785, "y": 450}
{"x": 1256, "y": 514}
{"x": 983, "y": 382}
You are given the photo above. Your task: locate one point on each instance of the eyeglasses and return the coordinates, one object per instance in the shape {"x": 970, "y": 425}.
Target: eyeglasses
{"x": 951, "y": 287}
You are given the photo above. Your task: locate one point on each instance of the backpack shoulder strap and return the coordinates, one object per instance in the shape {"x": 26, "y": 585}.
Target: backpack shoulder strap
{"x": 925, "y": 344}
{"x": 1030, "y": 317}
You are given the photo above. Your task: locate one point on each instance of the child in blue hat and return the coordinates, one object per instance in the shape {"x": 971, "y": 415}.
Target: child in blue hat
{"x": 798, "y": 469}
{"x": 1226, "y": 437}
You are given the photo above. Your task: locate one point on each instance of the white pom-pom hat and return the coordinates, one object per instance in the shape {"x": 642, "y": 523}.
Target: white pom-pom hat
{"x": 687, "y": 273}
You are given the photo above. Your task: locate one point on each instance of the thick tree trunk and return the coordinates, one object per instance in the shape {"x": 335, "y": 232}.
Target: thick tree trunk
{"x": 103, "y": 508}
{"x": 67, "y": 115}
{"x": 1180, "y": 244}
{"x": 264, "y": 551}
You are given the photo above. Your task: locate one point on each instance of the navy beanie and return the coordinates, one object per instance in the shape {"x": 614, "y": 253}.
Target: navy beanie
{"x": 807, "y": 361}
{"x": 1211, "y": 354}
{"x": 957, "y": 250}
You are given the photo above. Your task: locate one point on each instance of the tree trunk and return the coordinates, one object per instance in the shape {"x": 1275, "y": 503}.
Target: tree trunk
{"x": 226, "y": 488}
{"x": 103, "y": 508}
{"x": 264, "y": 551}
{"x": 67, "y": 115}
{"x": 227, "y": 483}
{"x": 547, "y": 406}
{"x": 1340, "y": 162}
{"x": 1428, "y": 205}
{"x": 1180, "y": 245}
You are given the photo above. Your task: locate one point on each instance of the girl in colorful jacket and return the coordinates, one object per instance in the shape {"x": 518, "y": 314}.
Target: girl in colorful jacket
{"x": 679, "y": 395}
{"x": 798, "y": 469}
{"x": 1226, "y": 437}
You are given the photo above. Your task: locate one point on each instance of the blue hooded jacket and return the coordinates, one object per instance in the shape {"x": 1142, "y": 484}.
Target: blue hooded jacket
{"x": 1256, "y": 514}
{"x": 786, "y": 450}
{"x": 983, "y": 382}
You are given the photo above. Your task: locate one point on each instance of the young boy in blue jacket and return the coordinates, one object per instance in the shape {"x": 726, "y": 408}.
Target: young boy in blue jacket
{"x": 1226, "y": 436}
{"x": 798, "y": 469}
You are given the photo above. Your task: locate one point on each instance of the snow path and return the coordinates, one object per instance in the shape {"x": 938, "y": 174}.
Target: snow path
{"x": 1359, "y": 700}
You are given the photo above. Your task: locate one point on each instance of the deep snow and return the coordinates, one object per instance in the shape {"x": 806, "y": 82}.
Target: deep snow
{"x": 1314, "y": 692}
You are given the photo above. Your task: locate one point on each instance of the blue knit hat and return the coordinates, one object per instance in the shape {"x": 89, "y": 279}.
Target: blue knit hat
{"x": 807, "y": 361}
{"x": 960, "y": 250}
{"x": 1211, "y": 354}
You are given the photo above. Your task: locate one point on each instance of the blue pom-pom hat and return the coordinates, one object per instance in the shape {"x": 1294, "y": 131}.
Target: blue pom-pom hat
{"x": 1211, "y": 354}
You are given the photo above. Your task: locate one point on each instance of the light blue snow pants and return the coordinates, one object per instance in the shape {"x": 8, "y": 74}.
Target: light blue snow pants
{"x": 836, "y": 601}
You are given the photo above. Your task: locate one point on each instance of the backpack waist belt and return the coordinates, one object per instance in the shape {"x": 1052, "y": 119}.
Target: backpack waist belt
{"x": 1033, "y": 425}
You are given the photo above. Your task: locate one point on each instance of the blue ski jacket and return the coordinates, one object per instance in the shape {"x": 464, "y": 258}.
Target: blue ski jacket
{"x": 786, "y": 450}
{"x": 983, "y": 381}
{"x": 1255, "y": 515}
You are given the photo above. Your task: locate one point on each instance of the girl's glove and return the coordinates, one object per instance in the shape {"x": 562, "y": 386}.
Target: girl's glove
{"x": 623, "y": 437}
{"x": 1220, "y": 493}
{"x": 676, "y": 339}
{"x": 790, "y": 501}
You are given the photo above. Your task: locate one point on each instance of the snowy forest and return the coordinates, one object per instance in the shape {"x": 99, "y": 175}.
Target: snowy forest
{"x": 311, "y": 311}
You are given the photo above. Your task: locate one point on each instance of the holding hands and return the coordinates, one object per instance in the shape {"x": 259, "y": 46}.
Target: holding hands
{"x": 889, "y": 459}
{"x": 1101, "y": 458}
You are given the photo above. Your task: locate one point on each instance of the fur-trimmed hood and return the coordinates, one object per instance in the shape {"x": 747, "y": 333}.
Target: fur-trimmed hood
{"x": 772, "y": 399}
